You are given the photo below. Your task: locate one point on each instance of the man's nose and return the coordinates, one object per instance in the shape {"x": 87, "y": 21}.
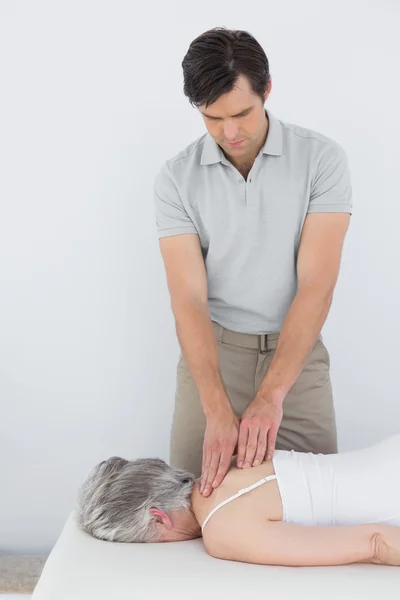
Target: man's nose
{"x": 230, "y": 131}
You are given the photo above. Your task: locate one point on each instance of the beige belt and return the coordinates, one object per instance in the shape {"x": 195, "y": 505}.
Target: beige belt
{"x": 263, "y": 342}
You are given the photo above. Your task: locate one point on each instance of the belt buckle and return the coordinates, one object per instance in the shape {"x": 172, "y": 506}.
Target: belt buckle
{"x": 263, "y": 343}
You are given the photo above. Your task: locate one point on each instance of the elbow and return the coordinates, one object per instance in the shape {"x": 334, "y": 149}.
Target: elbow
{"x": 321, "y": 292}
{"x": 378, "y": 550}
{"x": 186, "y": 303}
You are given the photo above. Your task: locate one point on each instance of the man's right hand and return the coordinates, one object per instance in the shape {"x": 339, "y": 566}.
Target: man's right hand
{"x": 220, "y": 441}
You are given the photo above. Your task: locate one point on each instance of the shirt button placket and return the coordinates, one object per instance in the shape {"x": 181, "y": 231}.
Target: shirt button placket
{"x": 243, "y": 190}
{"x": 250, "y": 192}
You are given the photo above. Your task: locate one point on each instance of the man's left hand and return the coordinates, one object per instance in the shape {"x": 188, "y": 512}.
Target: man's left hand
{"x": 258, "y": 430}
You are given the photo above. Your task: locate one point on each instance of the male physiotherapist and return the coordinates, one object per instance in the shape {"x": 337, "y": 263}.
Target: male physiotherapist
{"x": 251, "y": 218}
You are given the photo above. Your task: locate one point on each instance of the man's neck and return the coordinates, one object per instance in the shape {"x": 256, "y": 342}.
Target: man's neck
{"x": 245, "y": 164}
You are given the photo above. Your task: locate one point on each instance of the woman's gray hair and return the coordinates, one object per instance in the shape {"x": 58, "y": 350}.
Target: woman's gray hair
{"x": 114, "y": 502}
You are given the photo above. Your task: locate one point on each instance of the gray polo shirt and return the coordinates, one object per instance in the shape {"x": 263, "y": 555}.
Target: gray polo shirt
{"x": 250, "y": 229}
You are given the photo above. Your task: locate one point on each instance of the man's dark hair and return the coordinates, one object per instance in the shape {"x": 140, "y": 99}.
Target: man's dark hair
{"x": 215, "y": 60}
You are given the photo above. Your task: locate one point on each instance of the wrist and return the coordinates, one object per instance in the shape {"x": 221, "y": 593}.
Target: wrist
{"x": 271, "y": 395}
{"x": 216, "y": 405}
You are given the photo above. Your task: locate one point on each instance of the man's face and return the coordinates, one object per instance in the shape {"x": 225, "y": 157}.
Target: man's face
{"x": 236, "y": 120}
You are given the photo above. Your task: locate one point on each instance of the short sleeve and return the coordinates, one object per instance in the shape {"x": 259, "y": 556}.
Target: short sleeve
{"x": 331, "y": 189}
{"x": 171, "y": 215}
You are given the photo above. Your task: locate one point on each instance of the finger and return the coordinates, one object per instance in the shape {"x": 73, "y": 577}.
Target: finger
{"x": 251, "y": 445}
{"x": 261, "y": 446}
{"x": 242, "y": 442}
{"x": 205, "y": 467}
{"x": 223, "y": 468}
{"x": 272, "y": 433}
{"x": 215, "y": 457}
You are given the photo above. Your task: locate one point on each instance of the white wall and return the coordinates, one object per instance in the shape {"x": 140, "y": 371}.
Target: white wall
{"x": 91, "y": 105}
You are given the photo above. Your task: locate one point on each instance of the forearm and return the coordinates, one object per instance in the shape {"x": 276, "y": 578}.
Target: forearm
{"x": 339, "y": 544}
{"x": 199, "y": 347}
{"x": 279, "y": 543}
{"x": 329, "y": 545}
{"x": 299, "y": 333}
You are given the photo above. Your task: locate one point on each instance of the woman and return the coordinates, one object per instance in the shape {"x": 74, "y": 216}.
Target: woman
{"x": 300, "y": 509}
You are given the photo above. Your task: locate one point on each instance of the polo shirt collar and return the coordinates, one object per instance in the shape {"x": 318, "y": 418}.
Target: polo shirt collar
{"x": 273, "y": 143}
{"x": 212, "y": 152}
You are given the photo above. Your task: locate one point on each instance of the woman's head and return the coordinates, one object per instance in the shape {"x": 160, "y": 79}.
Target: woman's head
{"x": 144, "y": 500}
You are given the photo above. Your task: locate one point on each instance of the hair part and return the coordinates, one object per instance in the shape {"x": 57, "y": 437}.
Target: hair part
{"x": 115, "y": 500}
{"x": 216, "y": 59}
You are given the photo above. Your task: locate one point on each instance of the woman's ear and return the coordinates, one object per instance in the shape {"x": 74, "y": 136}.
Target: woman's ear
{"x": 161, "y": 517}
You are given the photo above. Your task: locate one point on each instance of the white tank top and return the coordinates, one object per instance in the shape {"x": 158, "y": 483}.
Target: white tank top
{"x": 350, "y": 488}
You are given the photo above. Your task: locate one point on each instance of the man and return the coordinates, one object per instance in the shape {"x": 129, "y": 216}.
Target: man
{"x": 251, "y": 219}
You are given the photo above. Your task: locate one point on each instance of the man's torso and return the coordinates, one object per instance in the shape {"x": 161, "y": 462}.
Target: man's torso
{"x": 250, "y": 228}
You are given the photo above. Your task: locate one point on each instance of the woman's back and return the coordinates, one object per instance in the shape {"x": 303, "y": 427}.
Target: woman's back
{"x": 350, "y": 488}
{"x": 260, "y": 504}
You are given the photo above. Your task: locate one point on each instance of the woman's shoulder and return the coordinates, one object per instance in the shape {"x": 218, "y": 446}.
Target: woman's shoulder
{"x": 233, "y": 482}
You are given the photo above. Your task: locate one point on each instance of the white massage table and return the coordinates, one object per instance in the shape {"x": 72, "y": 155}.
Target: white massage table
{"x": 83, "y": 568}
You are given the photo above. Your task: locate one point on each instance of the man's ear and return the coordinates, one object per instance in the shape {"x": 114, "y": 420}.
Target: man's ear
{"x": 267, "y": 90}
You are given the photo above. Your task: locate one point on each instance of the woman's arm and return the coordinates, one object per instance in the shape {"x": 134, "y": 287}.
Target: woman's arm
{"x": 278, "y": 543}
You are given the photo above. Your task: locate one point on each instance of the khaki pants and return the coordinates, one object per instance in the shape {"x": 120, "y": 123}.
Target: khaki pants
{"x": 308, "y": 423}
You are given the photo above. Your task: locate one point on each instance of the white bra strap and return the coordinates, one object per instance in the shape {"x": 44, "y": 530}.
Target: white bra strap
{"x": 239, "y": 493}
